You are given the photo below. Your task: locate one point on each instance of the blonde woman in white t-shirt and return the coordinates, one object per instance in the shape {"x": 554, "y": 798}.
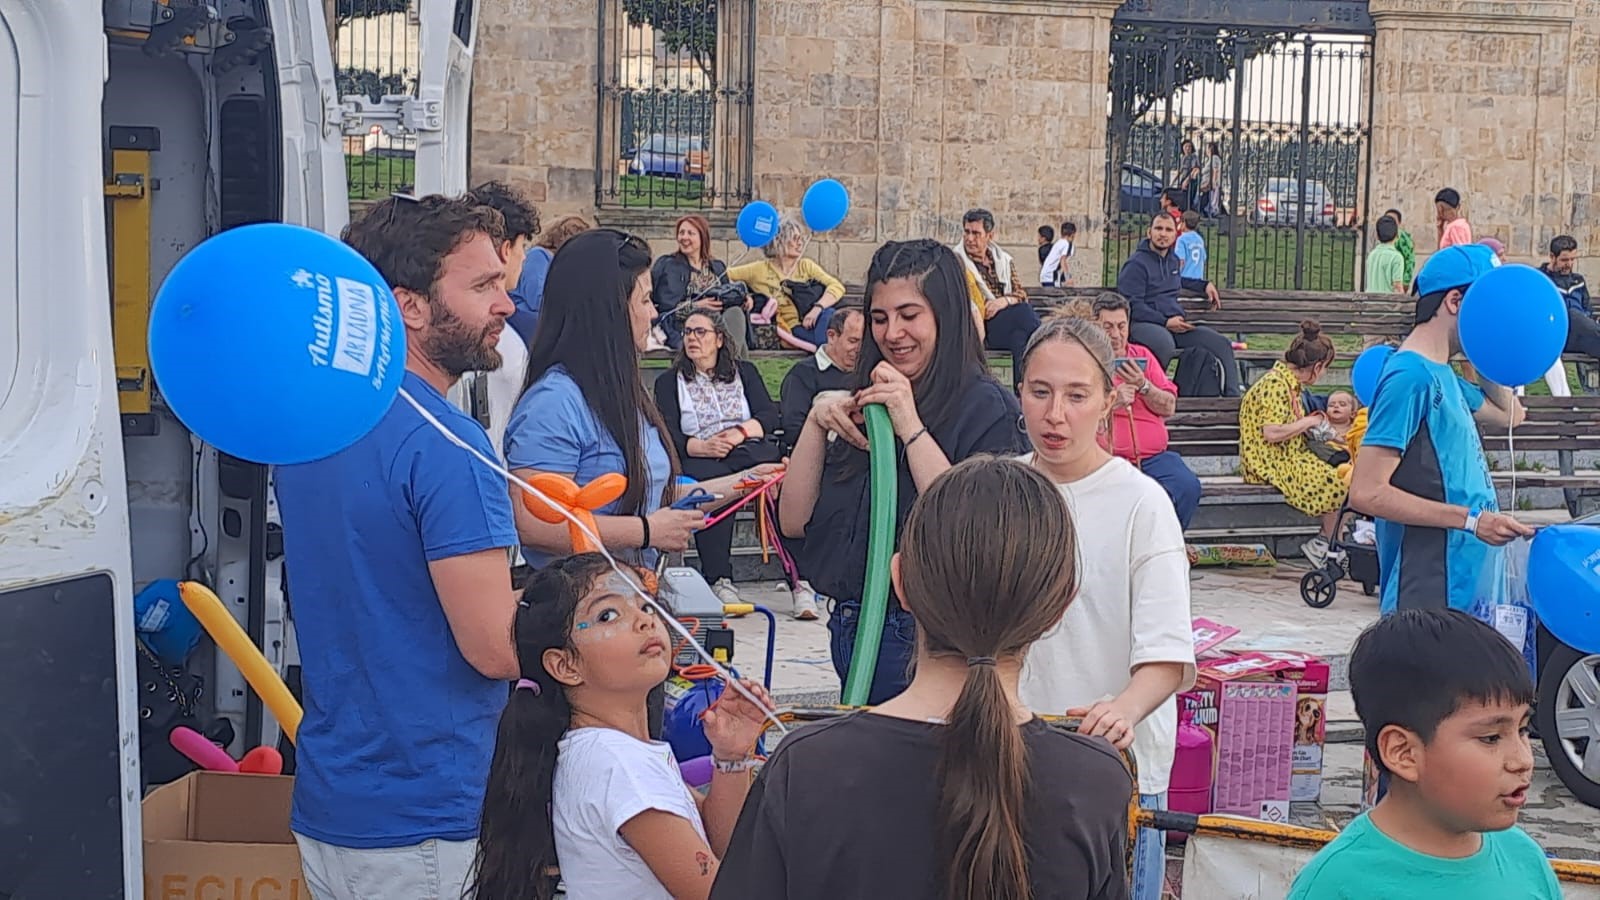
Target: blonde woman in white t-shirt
{"x": 575, "y": 778}
{"x": 1124, "y": 649}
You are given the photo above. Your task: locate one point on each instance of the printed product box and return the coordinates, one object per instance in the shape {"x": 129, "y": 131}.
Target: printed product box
{"x": 1254, "y": 731}
{"x": 1310, "y": 678}
{"x": 213, "y": 835}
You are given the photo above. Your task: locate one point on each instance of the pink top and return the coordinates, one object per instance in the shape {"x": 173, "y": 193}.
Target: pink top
{"x": 1457, "y": 231}
{"x": 1146, "y": 430}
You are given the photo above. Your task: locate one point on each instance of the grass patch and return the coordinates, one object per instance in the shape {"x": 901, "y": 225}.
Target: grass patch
{"x": 656, "y": 192}
{"x": 376, "y": 177}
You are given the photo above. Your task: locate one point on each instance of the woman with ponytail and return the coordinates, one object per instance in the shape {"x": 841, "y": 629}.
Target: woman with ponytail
{"x": 575, "y": 779}
{"x": 952, "y": 790}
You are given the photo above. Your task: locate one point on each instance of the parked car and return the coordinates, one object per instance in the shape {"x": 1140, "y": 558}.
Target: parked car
{"x": 1139, "y": 190}
{"x": 671, "y": 156}
{"x": 1276, "y": 204}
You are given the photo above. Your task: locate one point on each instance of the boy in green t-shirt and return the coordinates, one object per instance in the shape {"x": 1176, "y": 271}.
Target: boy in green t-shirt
{"x": 1445, "y": 703}
{"x": 1407, "y": 248}
{"x": 1385, "y": 266}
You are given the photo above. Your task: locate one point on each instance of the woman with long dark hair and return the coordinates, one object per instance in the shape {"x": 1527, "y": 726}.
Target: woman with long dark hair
{"x": 953, "y": 790}
{"x": 576, "y": 779}
{"x": 585, "y": 412}
{"x": 921, "y": 358}
{"x": 719, "y": 414}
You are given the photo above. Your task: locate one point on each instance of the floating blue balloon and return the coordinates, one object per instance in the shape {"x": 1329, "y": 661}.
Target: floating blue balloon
{"x": 1368, "y": 369}
{"x": 277, "y": 344}
{"x": 825, "y": 205}
{"x": 1513, "y": 324}
{"x": 1564, "y": 583}
{"x": 757, "y": 224}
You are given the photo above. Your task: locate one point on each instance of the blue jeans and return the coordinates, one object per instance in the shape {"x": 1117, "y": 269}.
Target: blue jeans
{"x": 897, "y": 649}
{"x": 818, "y": 333}
{"x": 1182, "y": 485}
{"x": 1149, "y": 854}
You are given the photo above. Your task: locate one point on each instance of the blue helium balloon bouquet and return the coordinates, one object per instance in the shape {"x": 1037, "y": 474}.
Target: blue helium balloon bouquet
{"x": 757, "y": 224}
{"x": 1513, "y": 324}
{"x": 1367, "y": 371}
{"x": 277, "y": 344}
{"x": 825, "y": 205}
{"x": 1564, "y": 583}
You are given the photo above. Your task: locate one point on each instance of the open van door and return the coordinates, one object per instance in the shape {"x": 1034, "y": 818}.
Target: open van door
{"x": 69, "y": 762}
{"x": 444, "y": 87}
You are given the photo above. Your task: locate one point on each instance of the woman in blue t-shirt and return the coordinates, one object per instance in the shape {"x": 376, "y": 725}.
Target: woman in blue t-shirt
{"x": 922, "y": 358}
{"x": 584, "y": 410}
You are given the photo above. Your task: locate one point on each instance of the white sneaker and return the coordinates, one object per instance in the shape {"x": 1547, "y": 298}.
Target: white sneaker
{"x": 805, "y": 602}
{"x": 1316, "y": 550}
{"x": 726, "y": 592}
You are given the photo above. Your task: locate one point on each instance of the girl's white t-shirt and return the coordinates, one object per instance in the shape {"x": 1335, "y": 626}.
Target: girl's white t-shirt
{"x": 1132, "y": 608}
{"x": 604, "y": 778}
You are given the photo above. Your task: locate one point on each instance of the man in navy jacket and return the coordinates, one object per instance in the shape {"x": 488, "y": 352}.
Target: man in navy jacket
{"x": 1583, "y": 334}
{"x": 1150, "y": 280}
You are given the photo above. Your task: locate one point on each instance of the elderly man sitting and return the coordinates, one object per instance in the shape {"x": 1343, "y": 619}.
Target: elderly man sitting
{"x": 1009, "y": 320}
{"x": 1145, "y": 397}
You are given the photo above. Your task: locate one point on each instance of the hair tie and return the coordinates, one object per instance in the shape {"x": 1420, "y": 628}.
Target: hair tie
{"x": 528, "y": 684}
{"x": 980, "y": 661}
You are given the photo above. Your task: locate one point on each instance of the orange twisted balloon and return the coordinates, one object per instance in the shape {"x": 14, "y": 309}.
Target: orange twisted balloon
{"x": 580, "y": 502}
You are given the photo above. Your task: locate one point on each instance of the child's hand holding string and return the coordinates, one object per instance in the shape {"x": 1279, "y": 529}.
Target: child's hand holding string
{"x": 733, "y": 723}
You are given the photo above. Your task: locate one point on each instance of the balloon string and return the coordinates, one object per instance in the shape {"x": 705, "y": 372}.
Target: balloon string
{"x": 627, "y": 575}
{"x": 747, "y": 498}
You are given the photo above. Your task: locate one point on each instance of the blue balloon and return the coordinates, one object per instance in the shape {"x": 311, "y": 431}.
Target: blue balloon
{"x": 1513, "y": 325}
{"x": 1368, "y": 369}
{"x": 825, "y": 205}
{"x": 758, "y": 224}
{"x": 277, "y": 344}
{"x": 1564, "y": 583}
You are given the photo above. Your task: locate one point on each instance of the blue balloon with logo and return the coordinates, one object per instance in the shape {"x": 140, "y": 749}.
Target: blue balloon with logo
{"x": 757, "y": 224}
{"x": 1513, "y": 324}
{"x": 276, "y": 343}
{"x": 825, "y": 205}
{"x": 1366, "y": 372}
{"x": 1564, "y": 583}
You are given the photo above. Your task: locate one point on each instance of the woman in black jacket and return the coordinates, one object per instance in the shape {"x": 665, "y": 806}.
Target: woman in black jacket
{"x": 691, "y": 276}
{"x": 719, "y": 415}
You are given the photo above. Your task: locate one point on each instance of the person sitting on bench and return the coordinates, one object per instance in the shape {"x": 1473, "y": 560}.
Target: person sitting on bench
{"x": 1151, "y": 279}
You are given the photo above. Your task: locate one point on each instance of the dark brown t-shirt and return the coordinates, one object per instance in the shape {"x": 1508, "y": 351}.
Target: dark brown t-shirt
{"x": 845, "y": 809}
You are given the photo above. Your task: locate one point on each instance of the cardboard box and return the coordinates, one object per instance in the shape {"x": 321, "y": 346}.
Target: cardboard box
{"x": 1254, "y": 731}
{"x": 216, "y": 836}
{"x": 1310, "y": 677}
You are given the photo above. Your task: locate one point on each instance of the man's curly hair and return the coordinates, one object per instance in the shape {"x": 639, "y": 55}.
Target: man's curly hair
{"x": 407, "y": 238}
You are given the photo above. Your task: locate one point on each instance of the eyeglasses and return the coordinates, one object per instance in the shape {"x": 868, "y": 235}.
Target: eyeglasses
{"x": 699, "y": 331}
{"x": 399, "y": 199}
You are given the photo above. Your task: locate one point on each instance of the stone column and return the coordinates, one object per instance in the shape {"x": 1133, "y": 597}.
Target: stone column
{"x": 1475, "y": 95}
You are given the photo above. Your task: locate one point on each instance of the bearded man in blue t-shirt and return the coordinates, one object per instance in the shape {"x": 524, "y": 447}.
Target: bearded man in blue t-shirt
{"x": 396, "y": 550}
{"x": 1421, "y": 469}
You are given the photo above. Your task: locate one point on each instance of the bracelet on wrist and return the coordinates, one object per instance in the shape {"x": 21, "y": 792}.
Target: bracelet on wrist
{"x": 914, "y": 438}
{"x": 644, "y": 525}
{"x": 733, "y": 766}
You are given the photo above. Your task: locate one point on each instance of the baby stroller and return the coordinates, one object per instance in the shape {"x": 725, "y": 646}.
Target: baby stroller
{"x": 1347, "y": 558}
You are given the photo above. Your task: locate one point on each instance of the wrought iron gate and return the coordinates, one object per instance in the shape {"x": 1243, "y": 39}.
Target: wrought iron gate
{"x": 1264, "y": 131}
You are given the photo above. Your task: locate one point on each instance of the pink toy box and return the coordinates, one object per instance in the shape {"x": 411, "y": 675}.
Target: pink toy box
{"x": 1254, "y": 734}
{"x": 1310, "y": 678}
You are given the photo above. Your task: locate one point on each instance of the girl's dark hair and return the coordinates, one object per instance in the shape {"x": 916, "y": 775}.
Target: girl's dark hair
{"x": 701, "y": 227}
{"x": 516, "y": 837}
{"x": 957, "y": 351}
{"x": 989, "y": 564}
{"x": 587, "y": 328}
{"x": 724, "y": 369}
{"x": 1310, "y": 347}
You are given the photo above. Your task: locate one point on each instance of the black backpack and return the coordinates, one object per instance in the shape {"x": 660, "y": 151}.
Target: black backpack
{"x": 1199, "y": 373}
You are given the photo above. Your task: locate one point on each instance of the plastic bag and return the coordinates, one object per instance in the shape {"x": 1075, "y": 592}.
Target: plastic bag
{"x": 1503, "y": 600}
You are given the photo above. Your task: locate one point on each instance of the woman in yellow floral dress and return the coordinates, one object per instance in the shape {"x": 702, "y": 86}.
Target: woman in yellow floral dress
{"x": 1272, "y": 436}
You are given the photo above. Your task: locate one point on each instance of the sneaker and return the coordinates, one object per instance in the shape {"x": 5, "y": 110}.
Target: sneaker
{"x": 805, "y": 602}
{"x": 1316, "y": 550}
{"x": 726, "y": 592}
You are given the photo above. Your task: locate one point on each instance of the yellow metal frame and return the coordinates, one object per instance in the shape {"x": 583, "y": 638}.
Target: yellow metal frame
{"x": 129, "y": 190}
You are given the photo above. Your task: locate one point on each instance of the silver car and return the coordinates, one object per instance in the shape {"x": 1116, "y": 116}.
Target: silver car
{"x": 1276, "y": 204}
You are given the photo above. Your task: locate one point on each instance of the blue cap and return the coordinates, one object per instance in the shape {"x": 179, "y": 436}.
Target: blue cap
{"x": 1455, "y": 267}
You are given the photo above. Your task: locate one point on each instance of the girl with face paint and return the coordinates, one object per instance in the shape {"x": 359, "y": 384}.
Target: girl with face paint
{"x": 575, "y": 779}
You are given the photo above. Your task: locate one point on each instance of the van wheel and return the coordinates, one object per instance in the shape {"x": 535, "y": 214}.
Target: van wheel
{"x": 1568, "y": 715}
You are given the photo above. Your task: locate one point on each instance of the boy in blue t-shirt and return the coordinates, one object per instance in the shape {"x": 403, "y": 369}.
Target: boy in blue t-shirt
{"x": 1421, "y": 470}
{"x": 1445, "y": 703}
{"x": 1191, "y": 247}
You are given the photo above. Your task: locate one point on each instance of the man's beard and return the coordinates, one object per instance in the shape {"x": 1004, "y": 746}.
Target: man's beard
{"x": 457, "y": 349}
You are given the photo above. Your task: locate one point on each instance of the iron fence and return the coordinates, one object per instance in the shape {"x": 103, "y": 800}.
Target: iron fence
{"x": 674, "y": 117}
{"x": 375, "y": 52}
{"x": 1264, "y": 132}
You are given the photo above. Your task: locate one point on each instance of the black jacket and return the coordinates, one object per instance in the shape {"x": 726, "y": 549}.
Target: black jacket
{"x": 1574, "y": 290}
{"x": 762, "y": 409}
{"x": 670, "y": 280}
{"x": 801, "y": 386}
{"x": 1151, "y": 283}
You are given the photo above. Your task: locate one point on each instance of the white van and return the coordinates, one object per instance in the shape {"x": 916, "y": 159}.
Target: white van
{"x": 131, "y": 130}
